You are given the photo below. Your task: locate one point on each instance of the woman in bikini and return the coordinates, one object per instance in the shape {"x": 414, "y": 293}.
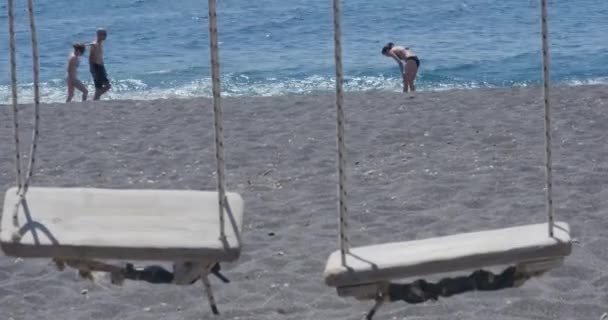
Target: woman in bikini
{"x": 408, "y": 64}
{"x": 72, "y": 79}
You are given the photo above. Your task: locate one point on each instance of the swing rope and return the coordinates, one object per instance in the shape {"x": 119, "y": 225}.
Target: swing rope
{"x": 23, "y": 184}
{"x": 217, "y": 111}
{"x": 85, "y": 267}
{"x": 546, "y": 84}
{"x": 342, "y": 207}
{"x": 13, "y": 62}
{"x": 343, "y": 210}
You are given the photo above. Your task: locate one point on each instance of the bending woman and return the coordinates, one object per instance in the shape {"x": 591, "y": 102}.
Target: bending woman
{"x": 408, "y": 64}
{"x": 72, "y": 79}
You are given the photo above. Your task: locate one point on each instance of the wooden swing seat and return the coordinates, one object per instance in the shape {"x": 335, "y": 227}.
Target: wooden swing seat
{"x": 90, "y": 223}
{"x": 466, "y": 251}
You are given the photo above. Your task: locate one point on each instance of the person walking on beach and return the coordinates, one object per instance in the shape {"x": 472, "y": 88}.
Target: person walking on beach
{"x": 408, "y": 64}
{"x": 72, "y": 78}
{"x": 96, "y": 65}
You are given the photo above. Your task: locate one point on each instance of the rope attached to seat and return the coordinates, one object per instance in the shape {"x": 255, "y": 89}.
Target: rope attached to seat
{"x": 217, "y": 111}
{"x": 23, "y": 184}
{"x": 342, "y": 208}
{"x": 36, "y": 76}
{"x": 546, "y": 84}
{"x": 13, "y": 62}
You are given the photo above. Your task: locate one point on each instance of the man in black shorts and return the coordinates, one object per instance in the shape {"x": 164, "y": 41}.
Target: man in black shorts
{"x": 97, "y": 68}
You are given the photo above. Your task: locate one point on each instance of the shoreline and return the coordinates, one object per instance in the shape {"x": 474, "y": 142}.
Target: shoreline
{"x": 321, "y": 93}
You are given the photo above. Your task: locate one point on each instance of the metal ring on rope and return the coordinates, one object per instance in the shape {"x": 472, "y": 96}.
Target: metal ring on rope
{"x": 217, "y": 111}
{"x": 342, "y": 208}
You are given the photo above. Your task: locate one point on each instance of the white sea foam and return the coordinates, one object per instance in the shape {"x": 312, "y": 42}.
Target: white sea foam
{"x": 135, "y": 89}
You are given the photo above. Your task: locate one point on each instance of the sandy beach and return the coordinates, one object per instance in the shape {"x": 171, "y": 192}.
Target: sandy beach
{"x": 437, "y": 164}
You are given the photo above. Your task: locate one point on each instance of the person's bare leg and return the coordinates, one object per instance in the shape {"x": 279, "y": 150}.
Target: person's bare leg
{"x": 70, "y": 91}
{"x": 97, "y": 94}
{"x": 80, "y": 86}
{"x": 410, "y": 74}
{"x": 106, "y": 88}
{"x": 100, "y": 91}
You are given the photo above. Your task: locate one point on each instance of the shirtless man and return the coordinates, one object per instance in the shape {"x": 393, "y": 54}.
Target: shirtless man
{"x": 97, "y": 68}
{"x": 408, "y": 64}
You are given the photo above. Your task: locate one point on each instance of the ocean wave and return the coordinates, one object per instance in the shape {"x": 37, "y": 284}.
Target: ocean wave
{"x": 585, "y": 82}
{"x": 241, "y": 85}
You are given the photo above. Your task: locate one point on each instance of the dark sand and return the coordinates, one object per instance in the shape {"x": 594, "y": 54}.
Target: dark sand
{"x": 441, "y": 163}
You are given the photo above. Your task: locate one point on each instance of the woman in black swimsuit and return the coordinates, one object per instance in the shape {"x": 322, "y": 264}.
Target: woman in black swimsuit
{"x": 408, "y": 64}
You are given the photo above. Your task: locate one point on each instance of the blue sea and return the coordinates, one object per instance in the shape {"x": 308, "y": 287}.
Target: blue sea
{"x": 159, "y": 48}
